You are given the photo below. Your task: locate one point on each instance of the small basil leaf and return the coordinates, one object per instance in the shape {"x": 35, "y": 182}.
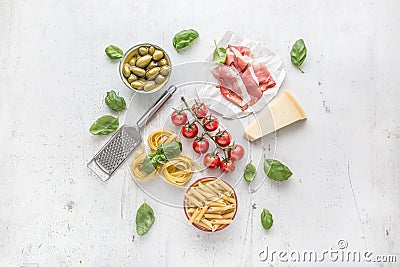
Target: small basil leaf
{"x": 115, "y": 102}
{"x": 160, "y": 149}
{"x": 276, "y": 170}
{"x": 184, "y": 39}
{"x": 172, "y": 149}
{"x": 114, "y": 52}
{"x": 160, "y": 158}
{"x": 149, "y": 163}
{"x": 298, "y": 53}
{"x": 249, "y": 172}
{"x": 144, "y": 219}
{"x": 266, "y": 219}
{"x": 219, "y": 54}
{"x": 104, "y": 125}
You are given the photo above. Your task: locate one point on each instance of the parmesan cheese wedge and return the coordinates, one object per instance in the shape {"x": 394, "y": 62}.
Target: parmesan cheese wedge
{"x": 286, "y": 110}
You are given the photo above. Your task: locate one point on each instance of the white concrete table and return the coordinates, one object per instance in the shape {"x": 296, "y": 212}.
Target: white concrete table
{"x": 345, "y": 157}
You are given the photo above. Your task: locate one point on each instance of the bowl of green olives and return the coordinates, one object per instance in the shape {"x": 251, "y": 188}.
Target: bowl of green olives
{"x": 145, "y": 68}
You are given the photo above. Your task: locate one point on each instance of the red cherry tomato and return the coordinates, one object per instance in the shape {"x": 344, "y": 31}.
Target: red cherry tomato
{"x": 227, "y": 165}
{"x": 236, "y": 152}
{"x": 199, "y": 109}
{"x": 179, "y": 117}
{"x": 212, "y": 161}
{"x": 190, "y": 130}
{"x": 210, "y": 123}
{"x": 200, "y": 145}
{"x": 223, "y": 138}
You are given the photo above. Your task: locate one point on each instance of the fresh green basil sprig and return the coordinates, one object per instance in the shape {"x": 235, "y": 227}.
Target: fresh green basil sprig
{"x": 107, "y": 123}
{"x": 266, "y": 219}
{"x": 250, "y": 172}
{"x": 144, "y": 219}
{"x": 163, "y": 153}
{"x": 104, "y": 125}
{"x": 219, "y": 54}
{"x": 114, "y": 52}
{"x": 298, "y": 53}
{"x": 276, "y": 170}
{"x": 184, "y": 39}
{"x": 115, "y": 102}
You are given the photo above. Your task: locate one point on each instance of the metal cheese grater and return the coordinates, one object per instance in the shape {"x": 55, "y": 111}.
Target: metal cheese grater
{"x": 123, "y": 142}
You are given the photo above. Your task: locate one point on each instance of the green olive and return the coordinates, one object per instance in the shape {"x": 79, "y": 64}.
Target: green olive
{"x": 143, "y": 50}
{"x": 138, "y": 85}
{"x": 132, "y": 61}
{"x": 160, "y": 78}
{"x": 151, "y": 74}
{"x": 164, "y": 70}
{"x": 138, "y": 71}
{"x": 162, "y": 62}
{"x": 132, "y": 78}
{"x": 149, "y": 85}
{"x": 157, "y": 55}
{"x": 143, "y": 61}
{"x": 126, "y": 70}
{"x": 151, "y": 50}
{"x": 151, "y": 65}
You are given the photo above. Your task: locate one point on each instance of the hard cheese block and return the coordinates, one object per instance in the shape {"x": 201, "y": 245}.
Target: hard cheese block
{"x": 281, "y": 113}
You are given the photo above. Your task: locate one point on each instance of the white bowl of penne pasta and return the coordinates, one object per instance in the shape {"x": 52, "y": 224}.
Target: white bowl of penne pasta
{"x": 210, "y": 204}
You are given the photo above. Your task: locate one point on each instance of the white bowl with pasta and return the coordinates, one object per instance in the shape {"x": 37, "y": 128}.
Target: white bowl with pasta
{"x": 210, "y": 204}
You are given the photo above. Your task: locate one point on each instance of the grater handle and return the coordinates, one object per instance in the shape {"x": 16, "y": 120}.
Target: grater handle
{"x": 153, "y": 109}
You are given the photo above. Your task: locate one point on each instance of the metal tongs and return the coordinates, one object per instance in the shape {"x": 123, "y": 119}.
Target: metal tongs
{"x": 114, "y": 153}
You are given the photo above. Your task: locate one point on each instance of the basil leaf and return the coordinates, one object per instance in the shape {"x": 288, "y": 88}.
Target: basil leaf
{"x": 219, "y": 54}
{"x": 298, "y": 53}
{"x": 172, "y": 149}
{"x": 160, "y": 158}
{"x": 144, "y": 219}
{"x": 115, "y": 102}
{"x": 184, "y": 39}
{"x": 149, "y": 163}
{"x": 266, "y": 219}
{"x": 114, "y": 52}
{"x": 276, "y": 170}
{"x": 249, "y": 173}
{"x": 104, "y": 125}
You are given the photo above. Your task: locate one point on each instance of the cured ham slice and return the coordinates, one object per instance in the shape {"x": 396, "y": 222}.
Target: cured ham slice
{"x": 242, "y": 80}
{"x": 251, "y": 85}
{"x": 263, "y": 76}
{"x": 245, "y": 51}
{"x": 230, "y": 79}
{"x": 231, "y": 96}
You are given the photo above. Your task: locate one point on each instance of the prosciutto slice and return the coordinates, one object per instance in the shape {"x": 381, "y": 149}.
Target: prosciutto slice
{"x": 230, "y": 79}
{"x": 242, "y": 80}
{"x": 263, "y": 76}
{"x": 251, "y": 85}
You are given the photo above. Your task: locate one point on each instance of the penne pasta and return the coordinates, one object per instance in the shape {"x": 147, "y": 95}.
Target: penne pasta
{"x": 201, "y": 214}
{"x": 227, "y": 215}
{"x": 221, "y": 221}
{"x": 229, "y": 199}
{"x": 194, "y": 215}
{"x": 209, "y": 205}
{"x": 212, "y": 216}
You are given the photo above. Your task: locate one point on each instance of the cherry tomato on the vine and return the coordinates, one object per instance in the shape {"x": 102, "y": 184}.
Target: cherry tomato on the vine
{"x": 227, "y": 165}
{"x": 179, "y": 117}
{"x": 210, "y": 123}
{"x": 200, "y": 145}
{"x": 212, "y": 161}
{"x": 223, "y": 138}
{"x": 190, "y": 130}
{"x": 236, "y": 152}
{"x": 199, "y": 109}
